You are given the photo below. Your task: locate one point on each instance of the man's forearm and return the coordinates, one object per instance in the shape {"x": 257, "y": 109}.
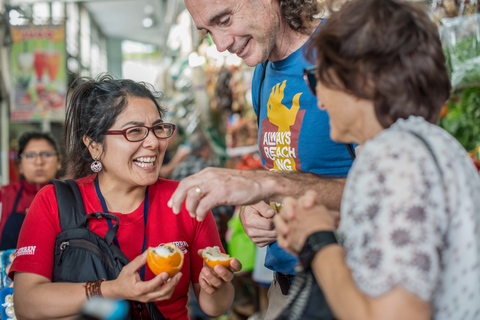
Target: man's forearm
{"x": 278, "y": 185}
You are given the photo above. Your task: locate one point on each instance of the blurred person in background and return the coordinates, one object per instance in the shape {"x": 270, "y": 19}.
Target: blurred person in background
{"x": 38, "y": 161}
{"x": 197, "y": 159}
{"x": 175, "y": 154}
{"x": 410, "y": 211}
{"x": 115, "y": 139}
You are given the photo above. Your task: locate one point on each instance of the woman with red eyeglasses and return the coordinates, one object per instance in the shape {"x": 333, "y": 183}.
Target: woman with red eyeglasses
{"x": 115, "y": 139}
{"x": 38, "y": 162}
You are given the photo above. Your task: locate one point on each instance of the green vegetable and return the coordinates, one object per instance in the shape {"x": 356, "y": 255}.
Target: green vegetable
{"x": 463, "y": 118}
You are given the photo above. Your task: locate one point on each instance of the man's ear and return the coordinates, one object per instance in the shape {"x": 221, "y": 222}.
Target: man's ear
{"x": 94, "y": 147}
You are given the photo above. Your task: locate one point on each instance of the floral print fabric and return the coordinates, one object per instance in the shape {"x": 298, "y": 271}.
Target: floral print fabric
{"x": 408, "y": 222}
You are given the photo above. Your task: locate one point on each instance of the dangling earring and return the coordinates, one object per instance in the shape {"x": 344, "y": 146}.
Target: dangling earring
{"x": 96, "y": 165}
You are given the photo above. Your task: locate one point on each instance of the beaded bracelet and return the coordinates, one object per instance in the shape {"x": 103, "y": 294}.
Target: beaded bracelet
{"x": 92, "y": 288}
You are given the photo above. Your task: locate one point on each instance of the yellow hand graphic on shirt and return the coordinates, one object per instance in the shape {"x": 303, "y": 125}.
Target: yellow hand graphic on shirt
{"x": 284, "y": 118}
{"x": 278, "y": 114}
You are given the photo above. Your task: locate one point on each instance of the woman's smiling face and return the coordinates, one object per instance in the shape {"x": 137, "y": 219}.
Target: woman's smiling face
{"x": 134, "y": 163}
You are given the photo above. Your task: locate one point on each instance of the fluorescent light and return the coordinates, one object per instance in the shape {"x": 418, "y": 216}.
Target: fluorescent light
{"x": 147, "y": 22}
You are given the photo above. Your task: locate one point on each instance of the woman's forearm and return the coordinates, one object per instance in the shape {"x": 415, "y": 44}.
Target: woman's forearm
{"x": 217, "y": 303}
{"x": 335, "y": 278}
{"x": 349, "y": 303}
{"x": 48, "y": 300}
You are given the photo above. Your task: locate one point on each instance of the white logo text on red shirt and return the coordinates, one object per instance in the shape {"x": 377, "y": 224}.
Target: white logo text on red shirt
{"x": 23, "y": 251}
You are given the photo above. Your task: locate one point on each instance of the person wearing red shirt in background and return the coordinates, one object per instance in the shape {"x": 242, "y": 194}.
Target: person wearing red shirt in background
{"x": 38, "y": 162}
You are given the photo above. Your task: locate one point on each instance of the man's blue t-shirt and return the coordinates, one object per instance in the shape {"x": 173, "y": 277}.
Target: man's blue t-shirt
{"x": 294, "y": 134}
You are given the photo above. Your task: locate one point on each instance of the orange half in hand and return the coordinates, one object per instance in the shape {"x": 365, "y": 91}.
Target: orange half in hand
{"x": 213, "y": 256}
{"x": 167, "y": 258}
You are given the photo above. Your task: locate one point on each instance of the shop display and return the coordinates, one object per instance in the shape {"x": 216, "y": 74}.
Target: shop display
{"x": 459, "y": 29}
{"x": 7, "y": 309}
{"x": 452, "y": 8}
{"x": 7, "y": 259}
{"x": 460, "y": 39}
{"x": 462, "y": 117}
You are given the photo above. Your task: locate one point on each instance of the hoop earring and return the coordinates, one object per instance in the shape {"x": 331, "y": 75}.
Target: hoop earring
{"x": 96, "y": 165}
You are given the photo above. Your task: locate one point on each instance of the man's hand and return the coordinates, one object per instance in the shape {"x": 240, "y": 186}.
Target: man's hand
{"x": 212, "y": 187}
{"x": 257, "y": 221}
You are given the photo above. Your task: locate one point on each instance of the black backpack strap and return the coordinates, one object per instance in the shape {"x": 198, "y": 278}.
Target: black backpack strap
{"x": 259, "y": 102}
{"x": 70, "y": 203}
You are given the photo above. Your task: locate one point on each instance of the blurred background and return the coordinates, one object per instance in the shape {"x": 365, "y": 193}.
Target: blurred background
{"x": 45, "y": 45}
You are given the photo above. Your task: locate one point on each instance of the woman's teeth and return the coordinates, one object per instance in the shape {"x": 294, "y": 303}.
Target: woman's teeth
{"x": 145, "y": 161}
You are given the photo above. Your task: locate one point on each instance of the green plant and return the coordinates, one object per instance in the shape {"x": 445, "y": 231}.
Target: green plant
{"x": 463, "y": 118}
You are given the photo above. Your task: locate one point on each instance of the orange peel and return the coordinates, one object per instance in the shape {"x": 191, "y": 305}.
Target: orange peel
{"x": 166, "y": 258}
{"x": 213, "y": 256}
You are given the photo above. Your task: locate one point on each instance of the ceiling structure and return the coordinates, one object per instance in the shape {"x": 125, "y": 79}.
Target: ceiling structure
{"x": 123, "y": 18}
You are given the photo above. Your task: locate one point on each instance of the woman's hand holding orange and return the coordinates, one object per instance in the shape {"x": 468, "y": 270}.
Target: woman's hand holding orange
{"x": 213, "y": 279}
{"x": 130, "y": 286}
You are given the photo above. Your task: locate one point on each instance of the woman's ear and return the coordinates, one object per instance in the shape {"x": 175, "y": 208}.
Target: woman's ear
{"x": 94, "y": 147}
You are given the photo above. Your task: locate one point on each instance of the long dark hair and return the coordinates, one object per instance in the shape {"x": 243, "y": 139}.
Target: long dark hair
{"x": 92, "y": 108}
{"x": 386, "y": 51}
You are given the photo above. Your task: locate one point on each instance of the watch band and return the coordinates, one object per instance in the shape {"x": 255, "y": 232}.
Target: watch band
{"x": 314, "y": 243}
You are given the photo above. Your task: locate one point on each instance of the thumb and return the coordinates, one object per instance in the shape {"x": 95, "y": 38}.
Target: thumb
{"x": 265, "y": 210}
{"x": 138, "y": 262}
{"x": 269, "y": 213}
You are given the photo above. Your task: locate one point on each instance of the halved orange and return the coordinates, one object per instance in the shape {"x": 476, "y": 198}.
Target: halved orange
{"x": 167, "y": 258}
{"x": 213, "y": 256}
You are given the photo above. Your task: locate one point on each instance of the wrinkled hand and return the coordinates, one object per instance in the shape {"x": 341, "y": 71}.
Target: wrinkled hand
{"x": 300, "y": 218}
{"x": 212, "y": 280}
{"x": 218, "y": 186}
{"x": 130, "y": 286}
{"x": 257, "y": 221}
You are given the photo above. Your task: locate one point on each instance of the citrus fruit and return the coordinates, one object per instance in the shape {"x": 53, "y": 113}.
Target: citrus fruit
{"x": 213, "y": 256}
{"x": 167, "y": 258}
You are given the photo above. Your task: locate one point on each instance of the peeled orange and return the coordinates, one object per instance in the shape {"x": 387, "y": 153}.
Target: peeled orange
{"x": 167, "y": 258}
{"x": 213, "y": 256}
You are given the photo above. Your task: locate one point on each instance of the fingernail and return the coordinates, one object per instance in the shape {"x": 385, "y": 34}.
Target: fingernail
{"x": 271, "y": 212}
{"x": 169, "y": 203}
{"x": 175, "y": 210}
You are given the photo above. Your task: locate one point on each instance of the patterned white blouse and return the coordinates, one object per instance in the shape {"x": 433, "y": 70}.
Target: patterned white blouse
{"x": 408, "y": 222}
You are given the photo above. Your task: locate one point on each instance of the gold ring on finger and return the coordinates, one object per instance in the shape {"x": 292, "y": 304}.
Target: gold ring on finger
{"x": 199, "y": 191}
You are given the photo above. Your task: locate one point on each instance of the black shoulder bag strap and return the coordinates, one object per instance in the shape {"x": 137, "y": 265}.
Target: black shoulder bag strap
{"x": 259, "y": 104}
{"x": 69, "y": 199}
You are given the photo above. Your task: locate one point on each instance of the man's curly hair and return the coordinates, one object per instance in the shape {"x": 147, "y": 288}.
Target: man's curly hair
{"x": 298, "y": 12}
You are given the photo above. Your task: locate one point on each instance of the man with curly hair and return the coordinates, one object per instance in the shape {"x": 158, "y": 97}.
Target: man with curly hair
{"x": 293, "y": 138}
